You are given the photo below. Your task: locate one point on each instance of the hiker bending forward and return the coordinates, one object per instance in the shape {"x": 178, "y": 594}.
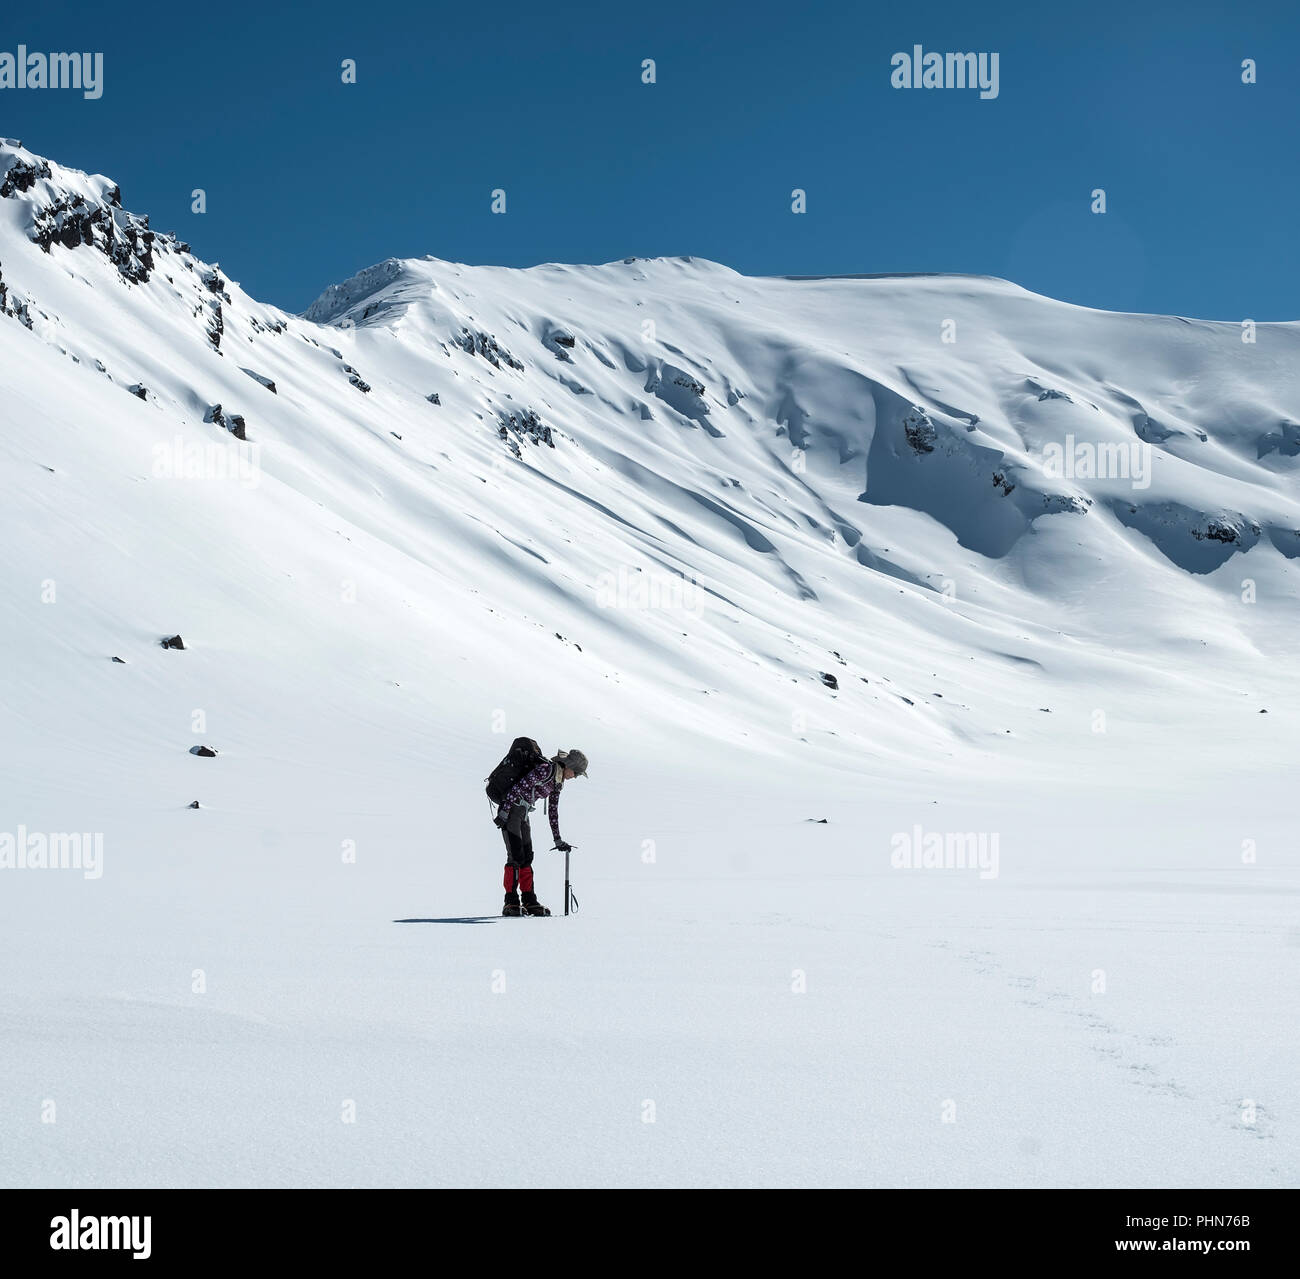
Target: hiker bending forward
{"x": 543, "y": 782}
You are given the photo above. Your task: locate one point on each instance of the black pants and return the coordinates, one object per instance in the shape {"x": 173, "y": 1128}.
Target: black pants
{"x": 519, "y": 851}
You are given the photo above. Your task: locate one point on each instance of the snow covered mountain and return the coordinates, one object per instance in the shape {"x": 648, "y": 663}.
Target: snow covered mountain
{"x": 892, "y": 550}
{"x": 868, "y": 468}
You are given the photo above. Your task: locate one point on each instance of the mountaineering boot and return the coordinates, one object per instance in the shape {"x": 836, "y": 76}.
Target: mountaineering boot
{"x": 532, "y": 906}
{"x": 512, "y": 905}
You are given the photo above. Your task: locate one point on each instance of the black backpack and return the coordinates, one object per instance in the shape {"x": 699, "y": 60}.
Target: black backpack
{"x": 523, "y": 756}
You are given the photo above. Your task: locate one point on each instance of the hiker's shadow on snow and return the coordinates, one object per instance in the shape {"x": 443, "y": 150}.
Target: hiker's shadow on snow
{"x": 458, "y": 919}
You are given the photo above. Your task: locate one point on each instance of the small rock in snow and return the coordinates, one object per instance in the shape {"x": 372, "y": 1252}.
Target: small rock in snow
{"x": 265, "y": 381}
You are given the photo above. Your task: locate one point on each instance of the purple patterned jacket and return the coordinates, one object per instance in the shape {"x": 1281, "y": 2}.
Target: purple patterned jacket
{"x": 538, "y": 784}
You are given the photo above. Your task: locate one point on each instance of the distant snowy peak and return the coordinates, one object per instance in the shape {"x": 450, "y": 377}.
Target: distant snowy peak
{"x": 382, "y": 293}
{"x": 365, "y": 295}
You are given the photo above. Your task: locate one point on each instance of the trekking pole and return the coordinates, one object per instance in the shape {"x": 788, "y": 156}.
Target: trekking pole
{"x": 566, "y": 881}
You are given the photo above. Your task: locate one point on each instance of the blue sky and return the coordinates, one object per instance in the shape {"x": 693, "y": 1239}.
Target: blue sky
{"x": 309, "y": 179}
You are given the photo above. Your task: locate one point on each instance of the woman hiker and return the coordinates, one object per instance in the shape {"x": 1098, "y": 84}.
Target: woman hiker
{"x": 542, "y": 782}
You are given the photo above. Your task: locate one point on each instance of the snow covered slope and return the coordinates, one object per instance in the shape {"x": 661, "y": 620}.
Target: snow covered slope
{"x": 894, "y": 551}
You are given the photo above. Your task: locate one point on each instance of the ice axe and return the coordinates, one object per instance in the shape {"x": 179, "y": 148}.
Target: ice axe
{"x": 569, "y": 894}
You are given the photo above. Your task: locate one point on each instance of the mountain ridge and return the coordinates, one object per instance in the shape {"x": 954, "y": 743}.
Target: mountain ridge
{"x": 813, "y": 459}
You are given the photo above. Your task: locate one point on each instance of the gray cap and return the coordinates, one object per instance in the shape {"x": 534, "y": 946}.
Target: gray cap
{"x": 575, "y": 760}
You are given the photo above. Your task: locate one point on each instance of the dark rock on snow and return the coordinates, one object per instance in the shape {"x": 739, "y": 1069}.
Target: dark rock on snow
{"x": 216, "y": 328}
{"x": 22, "y": 177}
{"x": 529, "y": 424}
{"x": 919, "y": 430}
{"x": 234, "y": 423}
{"x": 265, "y": 381}
{"x": 486, "y": 345}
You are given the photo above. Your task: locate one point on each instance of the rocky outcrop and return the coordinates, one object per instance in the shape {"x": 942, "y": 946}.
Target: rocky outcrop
{"x": 124, "y": 238}
{"x": 22, "y": 176}
{"x": 525, "y": 425}
{"x": 216, "y": 327}
{"x": 1225, "y": 529}
{"x": 1285, "y": 440}
{"x": 1196, "y": 540}
{"x": 1065, "y": 504}
{"x": 919, "y": 430}
{"x": 560, "y": 342}
{"x": 233, "y": 422}
{"x": 486, "y": 345}
{"x": 18, "y": 309}
{"x": 265, "y": 381}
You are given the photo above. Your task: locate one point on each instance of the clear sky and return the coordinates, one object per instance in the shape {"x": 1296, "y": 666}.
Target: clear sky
{"x": 309, "y": 179}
